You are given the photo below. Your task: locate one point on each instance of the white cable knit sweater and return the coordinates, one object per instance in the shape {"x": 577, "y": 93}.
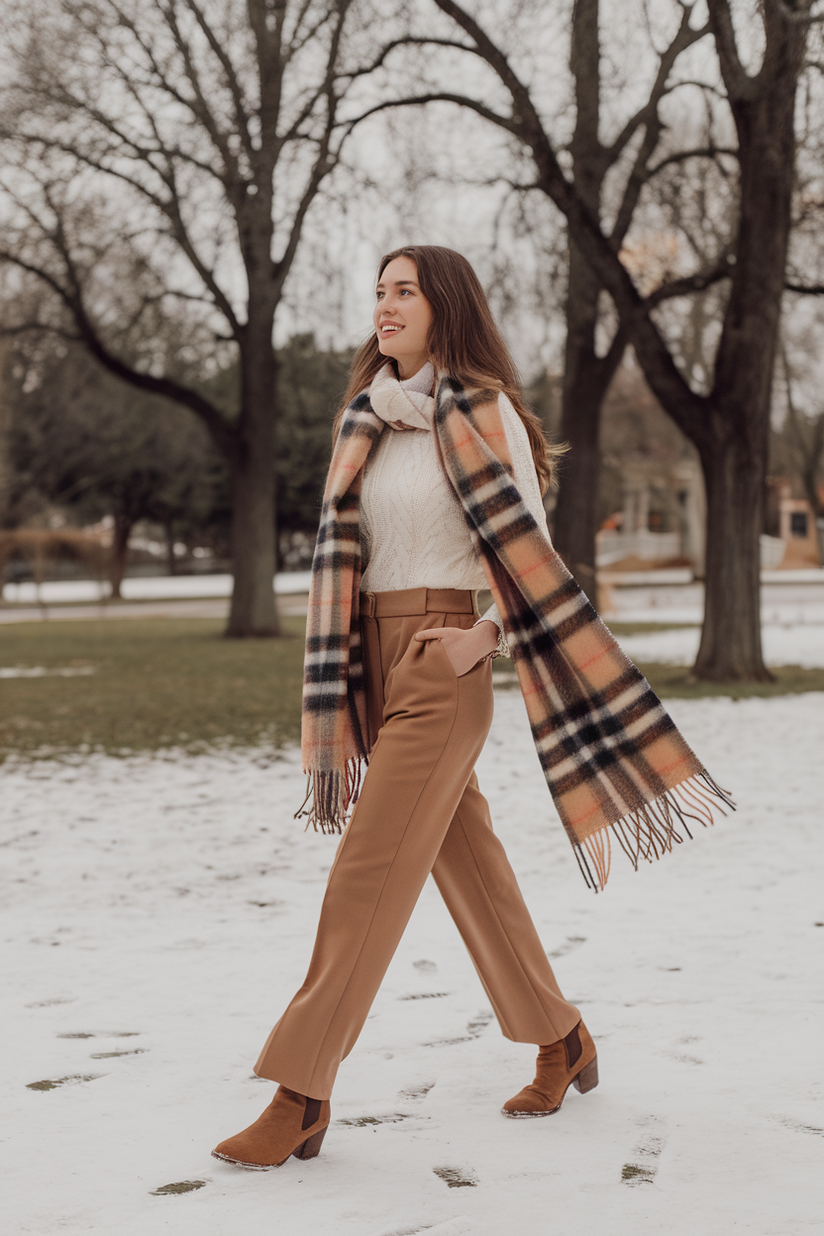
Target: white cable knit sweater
{"x": 413, "y": 529}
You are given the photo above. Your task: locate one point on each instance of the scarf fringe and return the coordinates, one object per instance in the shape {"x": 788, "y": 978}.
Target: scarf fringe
{"x": 651, "y": 831}
{"x": 331, "y": 795}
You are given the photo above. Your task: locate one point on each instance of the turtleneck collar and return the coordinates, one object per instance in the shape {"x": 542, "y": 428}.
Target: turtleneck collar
{"x": 408, "y": 404}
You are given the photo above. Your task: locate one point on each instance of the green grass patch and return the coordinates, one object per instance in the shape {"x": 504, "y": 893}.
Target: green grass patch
{"x": 176, "y": 683}
{"x": 672, "y": 681}
{"x": 157, "y": 683}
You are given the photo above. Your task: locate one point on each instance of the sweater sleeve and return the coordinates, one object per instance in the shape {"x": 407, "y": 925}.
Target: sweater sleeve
{"x": 526, "y": 482}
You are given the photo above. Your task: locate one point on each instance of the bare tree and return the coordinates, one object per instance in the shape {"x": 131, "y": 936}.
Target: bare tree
{"x": 201, "y": 134}
{"x": 588, "y": 371}
{"x": 729, "y": 422}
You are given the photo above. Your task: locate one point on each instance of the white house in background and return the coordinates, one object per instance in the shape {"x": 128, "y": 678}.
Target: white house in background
{"x": 629, "y": 536}
{"x": 662, "y": 520}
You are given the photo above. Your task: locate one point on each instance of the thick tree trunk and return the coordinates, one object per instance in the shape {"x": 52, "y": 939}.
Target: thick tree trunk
{"x": 730, "y": 649}
{"x": 119, "y": 552}
{"x": 253, "y": 611}
{"x": 734, "y": 457}
{"x": 171, "y": 561}
{"x": 585, "y": 381}
{"x": 732, "y": 433}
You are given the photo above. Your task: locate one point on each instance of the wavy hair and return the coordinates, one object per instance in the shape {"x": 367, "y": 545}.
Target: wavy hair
{"x": 463, "y": 339}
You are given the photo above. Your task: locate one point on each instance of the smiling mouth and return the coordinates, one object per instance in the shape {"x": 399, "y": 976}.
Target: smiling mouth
{"x": 389, "y": 328}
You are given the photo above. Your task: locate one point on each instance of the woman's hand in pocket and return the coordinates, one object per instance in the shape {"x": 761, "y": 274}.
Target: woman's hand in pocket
{"x": 464, "y": 648}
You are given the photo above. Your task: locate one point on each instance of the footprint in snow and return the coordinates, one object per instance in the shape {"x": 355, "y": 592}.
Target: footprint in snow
{"x": 568, "y": 945}
{"x": 456, "y": 1177}
{"x": 798, "y": 1127}
{"x": 111, "y": 1055}
{"x": 479, "y": 1023}
{"x": 113, "y": 1034}
{"x": 644, "y": 1165}
{"x": 53, "y": 1083}
{"x": 417, "y": 1092}
{"x": 179, "y": 1186}
{"x": 465, "y": 1038}
{"x": 360, "y": 1122}
{"x": 426, "y": 995}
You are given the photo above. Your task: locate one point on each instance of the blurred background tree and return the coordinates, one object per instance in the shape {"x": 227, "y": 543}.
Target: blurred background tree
{"x": 86, "y": 444}
{"x": 166, "y": 153}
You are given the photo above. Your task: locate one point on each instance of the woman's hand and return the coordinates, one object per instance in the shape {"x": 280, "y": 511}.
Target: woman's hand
{"x": 464, "y": 648}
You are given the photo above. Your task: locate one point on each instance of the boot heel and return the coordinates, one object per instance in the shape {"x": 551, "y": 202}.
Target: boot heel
{"x": 311, "y": 1147}
{"x": 587, "y": 1079}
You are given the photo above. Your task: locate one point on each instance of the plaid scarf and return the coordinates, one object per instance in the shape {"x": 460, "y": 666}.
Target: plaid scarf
{"x": 613, "y": 759}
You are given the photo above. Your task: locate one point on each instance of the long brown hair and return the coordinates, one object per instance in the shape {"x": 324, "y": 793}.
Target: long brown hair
{"x": 463, "y": 340}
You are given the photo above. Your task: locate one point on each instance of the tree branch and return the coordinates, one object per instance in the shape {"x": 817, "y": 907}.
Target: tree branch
{"x": 697, "y": 282}
{"x": 639, "y": 174}
{"x": 323, "y": 162}
{"x": 698, "y": 152}
{"x": 684, "y": 37}
{"x": 408, "y": 40}
{"x": 218, "y": 426}
{"x": 462, "y": 100}
{"x": 232, "y": 82}
{"x": 686, "y": 406}
{"x": 736, "y": 79}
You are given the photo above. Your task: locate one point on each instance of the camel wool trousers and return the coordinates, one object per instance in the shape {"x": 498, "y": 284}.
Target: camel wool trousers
{"x": 419, "y": 811}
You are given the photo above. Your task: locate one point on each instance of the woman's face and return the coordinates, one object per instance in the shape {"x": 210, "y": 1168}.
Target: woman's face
{"x": 402, "y": 316}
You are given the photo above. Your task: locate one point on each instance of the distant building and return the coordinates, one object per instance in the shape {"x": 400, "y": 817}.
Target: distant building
{"x": 792, "y": 521}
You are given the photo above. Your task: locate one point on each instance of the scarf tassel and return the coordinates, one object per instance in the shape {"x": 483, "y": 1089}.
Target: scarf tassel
{"x": 652, "y": 830}
{"x": 329, "y": 796}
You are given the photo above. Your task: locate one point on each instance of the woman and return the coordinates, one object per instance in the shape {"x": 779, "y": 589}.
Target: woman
{"x": 434, "y": 491}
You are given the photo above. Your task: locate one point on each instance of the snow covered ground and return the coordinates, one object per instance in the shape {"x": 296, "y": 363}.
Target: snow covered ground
{"x": 783, "y": 643}
{"x": 157, "y": 914}
{"x": 143, "y": 588}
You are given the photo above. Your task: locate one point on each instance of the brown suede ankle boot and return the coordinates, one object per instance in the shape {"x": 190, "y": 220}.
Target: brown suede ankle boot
{"x": 569, "y": 1062}
{"x": 291, "y": 1125}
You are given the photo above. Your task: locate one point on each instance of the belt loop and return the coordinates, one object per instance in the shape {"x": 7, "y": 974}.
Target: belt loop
{"x": 369, "y": 608}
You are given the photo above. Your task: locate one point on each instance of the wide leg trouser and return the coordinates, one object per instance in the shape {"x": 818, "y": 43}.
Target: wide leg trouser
{"x": 419, "y": 811}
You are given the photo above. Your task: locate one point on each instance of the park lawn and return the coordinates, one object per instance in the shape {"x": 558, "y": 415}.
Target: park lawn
{"x": 176, "y": 683}
{"x": 157, "y": 683}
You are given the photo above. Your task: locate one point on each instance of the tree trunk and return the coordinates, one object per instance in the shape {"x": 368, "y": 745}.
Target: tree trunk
{"x": 586, "y": 379}
{"x": 253, "y": 611}
{"x": 576, "y": 513}
{"x": 730, "y": 649}
{"x": 735, "y": 461}
{"x": 119, "y": 552}
{"x": 171, "y": 562}
{"x": 732, "y": 433}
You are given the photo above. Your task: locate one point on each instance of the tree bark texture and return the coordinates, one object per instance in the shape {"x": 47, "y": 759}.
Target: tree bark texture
{"x": 585, "y": 376}
{"x": 123, "y": 525}
{"x": 730, "y": 648}
{"x": 734, "y": 453}
{"x": 254, "y": 534}
{"x": 585, "y": 384}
